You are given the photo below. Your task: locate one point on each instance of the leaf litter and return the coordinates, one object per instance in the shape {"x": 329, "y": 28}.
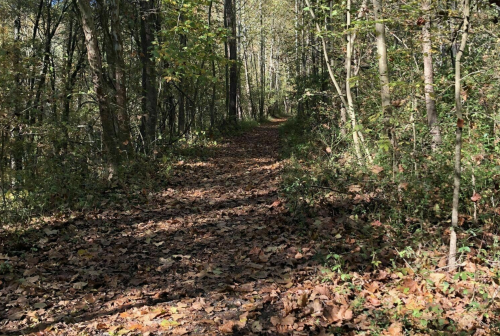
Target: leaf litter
{"x": 218, "y": 252}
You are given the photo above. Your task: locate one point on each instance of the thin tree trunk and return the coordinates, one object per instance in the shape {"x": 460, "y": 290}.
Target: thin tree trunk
{"x": 430, "y": 98}
{"x": 149, "y": 84}
{"x": 181, "y": 121}
{"x": 230, "y": 14}
{"x": 385, "y": 93}
{"x": 214, "y": 87}
{"x": 18, "y": 149}
{"x": 253, "y": 111}
{"x": 262, "y": 64}
{"x": 458, "y": 139}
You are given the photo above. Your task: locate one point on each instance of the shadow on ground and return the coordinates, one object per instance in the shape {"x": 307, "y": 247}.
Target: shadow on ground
{"x": 216, "y": 253}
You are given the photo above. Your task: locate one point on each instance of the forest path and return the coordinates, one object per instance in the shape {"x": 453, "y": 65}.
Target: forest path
{"x": 215, "y": 253}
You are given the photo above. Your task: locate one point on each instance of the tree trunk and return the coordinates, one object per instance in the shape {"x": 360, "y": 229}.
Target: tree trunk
{"x": 108, "y": 119}
{"x": 430, "y": 98}
{"x": 18, "y": 149}
{"x": 120, "y": 83}
{"x": 214, "y": 74}
{"x": 181, "y": 121}
{"x": 458, "y": 140}
{"x": 230, "y": 15}
{"x": 149, "y": 84}
{"x": 383, "y": 72}
{"x": 262, "y": 64}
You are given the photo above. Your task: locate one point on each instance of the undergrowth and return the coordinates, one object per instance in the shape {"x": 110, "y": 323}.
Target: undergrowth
{"x": 395, "y": 221}
{"x": 60, "y": 185}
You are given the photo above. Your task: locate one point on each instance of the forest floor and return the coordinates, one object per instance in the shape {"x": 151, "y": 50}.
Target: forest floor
{"x": 217, "y": 252}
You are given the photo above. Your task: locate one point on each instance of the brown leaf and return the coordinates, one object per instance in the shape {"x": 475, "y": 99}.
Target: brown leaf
{"x": 248, "y": 287}
{"x": 101, "y": 326}
{"x": 395, "y": 329}
{"x": 322, "y": 290}
{"x": 79, "y": 285}
{"x": 276, "y": 203}
{"x": 336, "y": 313}
{"x": 228, "y": 327}
{"x": 317, "y": 307}
{"x": 376, "y": 169}
{"x": 460, "y": 123}
{"x": 408, "y": 286}
{"x": 437, "y": 277}
{"x": 198, "y": 305}
{"x": 302, "y": 300}
{"x": 476, "y": 197}
{"x": 354, "y": 188}
{"x": 15, "y": 314}
{"x": 135, "y": 326}
{"x": 256, "y": 327}
{"x": 179, "y": 331}
{"x": 286, "y": 321}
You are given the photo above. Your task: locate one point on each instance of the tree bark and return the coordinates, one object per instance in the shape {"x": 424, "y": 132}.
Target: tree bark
{"x": 18, "y": 150}
{"x": 230, "y": 15}
{"x": 120, "y": 81}
{"x": 181, "y": 121}
{"x": 458, "y": 139}
{"x": 430, "y": 97}
{"x": 108, "y": 119}
{"x": 383, "y": 68}
{"x": 262, "y": 63}
{"x": 149, "y": 83}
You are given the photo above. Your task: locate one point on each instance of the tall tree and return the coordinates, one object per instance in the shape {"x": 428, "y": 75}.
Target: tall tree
{"x": 149, "y": 119}
{"x": 230, "y": 16}
{"x": 108, "y": 118}
{"x": 120, "y": 88}
{"x": 458, "y": 137}
{"x": 262, "y": 63}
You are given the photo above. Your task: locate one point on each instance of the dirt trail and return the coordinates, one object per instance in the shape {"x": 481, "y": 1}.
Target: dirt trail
{"x": 213, "y": 254}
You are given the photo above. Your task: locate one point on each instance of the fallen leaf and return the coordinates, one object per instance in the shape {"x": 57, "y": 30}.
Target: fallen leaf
{"x": 79, "y": 285}
{"x": 256, "y": 327}
{"x": 228, "y": 327}
{"x": 376, "y": 169}
{"x": 179, "y": 331}
{"x": 476, "y": 197}
{"x": 395, "y": 329}
{"x": 287, "y": 321}
{"x": 437, "y": 277}
{"x": 15, "y": 314}
{"x": 40, "y": 305}
{"x": 49, "y": 232}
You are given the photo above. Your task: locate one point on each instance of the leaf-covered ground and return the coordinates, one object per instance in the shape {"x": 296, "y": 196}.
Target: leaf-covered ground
{"x": 219, "y": 253}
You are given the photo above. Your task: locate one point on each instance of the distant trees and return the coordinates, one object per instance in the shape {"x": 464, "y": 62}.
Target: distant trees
{"x": 93, "y": 86}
